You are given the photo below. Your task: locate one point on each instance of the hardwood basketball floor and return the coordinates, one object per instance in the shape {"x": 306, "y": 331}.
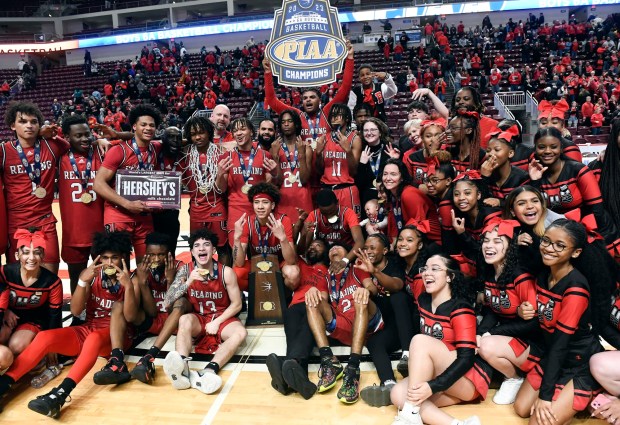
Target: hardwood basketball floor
{"x": 245, "y": 398}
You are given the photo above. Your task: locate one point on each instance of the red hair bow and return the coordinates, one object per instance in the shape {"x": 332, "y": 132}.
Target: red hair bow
{"x": 589, "y": 222}
{"x": 432, "y": 164}
{"x": 507, "y": 135}
{"x": 471, "y": 114}
{"x": 423, "y": 226}
{"x": 504, "y": 227}
{"x": 441, "y": 122}
{"x": 549, "y": 110}
{"x": 469, "y": 175}
{"x": 25, "y": 238}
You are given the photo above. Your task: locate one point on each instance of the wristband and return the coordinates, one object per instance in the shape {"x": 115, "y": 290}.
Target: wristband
{"x": 81, "y": 283}
{"x": 346, "y": 260}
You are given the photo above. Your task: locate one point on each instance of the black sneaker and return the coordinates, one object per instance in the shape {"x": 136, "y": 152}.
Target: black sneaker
{"x": 403, "y": 366}
{"x": 377, "y": 395}
{"x": 297, "y": 379}
{"x": 144, "y": 371}
{"x": 113, "y": 373}
{"x": 274, "y": 365}
{"x": 50, "y": 403}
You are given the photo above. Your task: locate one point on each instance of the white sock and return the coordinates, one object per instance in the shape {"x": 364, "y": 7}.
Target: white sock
{"x": 456, "y": 422}
{"x": 389, "y": 382}
{"x": 410, "y": 408}
{"x": 405, "y": 353}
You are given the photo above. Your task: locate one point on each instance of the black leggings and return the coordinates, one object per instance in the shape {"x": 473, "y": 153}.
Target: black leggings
{"x": 299, "y": 338}
{"x": 407, "y": 317}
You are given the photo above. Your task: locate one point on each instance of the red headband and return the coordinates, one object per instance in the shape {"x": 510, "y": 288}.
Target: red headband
{"x": 589, "y": 222}
{"x": 471, "y": 114}
{"x": 25, "y": 238}
{"x": 423, "y": 226}
{"x": 548, "y": 110}
{"x": 504, "y": 227}
{"x": 432, "y": 164}
{"x": 507, "y": 135}
{"x": 441, "y": 122}
{"x": 263, "y": 196}
{"x": 468, "y": 175}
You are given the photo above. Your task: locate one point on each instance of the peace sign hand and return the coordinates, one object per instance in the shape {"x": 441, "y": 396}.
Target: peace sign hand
{"x": 276, "y": 228}
{"x": 364, "y": 263}
{"x": 392, "y": 151}
{"x": 88, "y": 274}
{"x": 365, "y": 157}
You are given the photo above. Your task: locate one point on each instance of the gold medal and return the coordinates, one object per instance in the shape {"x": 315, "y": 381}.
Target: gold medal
{"x": 203, "y": 272}
{"x": 86, "y": 198}
{"x": 203, "y": 190}
{"x": 154, "y": 265}
{"x": 292, "y": 178}
{"x": 246, "y": 188}
{"x": 374, "y": 183}
{"x": 110, "y": 271}
{"x": 40, "y": 192}
{"x": 264, "y": 265}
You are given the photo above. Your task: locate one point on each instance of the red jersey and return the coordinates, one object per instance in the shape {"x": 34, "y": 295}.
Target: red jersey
{"x": 504, "y": 302}
{"x": 102, "y": 298}
{"x": 260, "y": 239}
{"x": 238, "y": 202}
{"x": 25, "y": 209}
{"x": 336, "y": 169}
{"x": 292, "y": 195}
{"x": 158, "y": 284}
{"x": 413, "y": 205}
{"x": 203, "y": 207}
{"x": 340, "y": 231}
{"x": 453, "y": 322}
{"x": 122, "y": 157}
{"x": 75, "y": 230}
{"x": 315, "y": 275}
{"x": 416, "y": 165}
{"x": 341, "y": 288}
{"x": 39, "y": 303}
{"x": 209, "y": 298}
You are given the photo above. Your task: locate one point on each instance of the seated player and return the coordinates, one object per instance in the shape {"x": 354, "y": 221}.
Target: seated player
{"x": 100, "y": 285}
{"x": 262, "y": 233}
{"x": 347, "y": 314}
{"x": 144, "y": 308}
{"x": 335, "y": 224}
{"x": 212, "y": 290}
{"x": 30, "y": 297}
{"x": 291, "y": 372}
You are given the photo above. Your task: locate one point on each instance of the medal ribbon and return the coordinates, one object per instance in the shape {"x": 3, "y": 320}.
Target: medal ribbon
{"x": 246, "y": 173}
{"x": 398, "y": 215}
{"x": 262, "y": 241}
{"x": 314, "y": 129}
{"x": 335, "y": 290}
{"x": 34, "y": 171}
{"x": 76, "y": 170}
{"x": 293, "y": 164}
{"x": 374, "y": 164}
{"x": 136, "y": 150}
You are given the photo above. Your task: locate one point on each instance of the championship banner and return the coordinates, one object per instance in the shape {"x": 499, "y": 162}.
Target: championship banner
{"x": 307, "y": 47}
{"x": 158, "y": 189}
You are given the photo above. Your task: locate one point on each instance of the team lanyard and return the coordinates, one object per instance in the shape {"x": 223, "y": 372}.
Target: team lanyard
{"x": 335, "y": 291}
{"x": 314, "y": 129}
{"x": 374, "y": 164}
{"x": 138, "y": 154}
{"x": 246, "y": 173}
{"x": 34, "y": 171}
{"x": 293, "y": 164}
{"x": 87, "y": 171}
{"x": 398, "y": 214}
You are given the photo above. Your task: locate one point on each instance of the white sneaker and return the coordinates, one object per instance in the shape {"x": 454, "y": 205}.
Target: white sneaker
{"x": 407, "y": 419}
{"x": 177, "y": 370}
{"x": 507, "y": 392}
{"x": 205, "y": 381}
{"x": 472, "y": 420}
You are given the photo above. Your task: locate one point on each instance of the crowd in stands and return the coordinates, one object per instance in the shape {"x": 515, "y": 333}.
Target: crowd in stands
{"x": 390, "y": 239}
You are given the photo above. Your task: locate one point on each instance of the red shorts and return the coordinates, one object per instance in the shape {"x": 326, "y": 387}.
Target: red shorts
{"x": 343, "y": 331}
{"x": 349, "y": 197}
{"x": 75, "y": 254}
{"x": 158, "y": 323}
{"x": 217, "y": 227}
{"x": 29, "y": 326}
{"x": 208, "y": 344}
{"x": 138, "y": 231}
{"x": 51, "y": 244}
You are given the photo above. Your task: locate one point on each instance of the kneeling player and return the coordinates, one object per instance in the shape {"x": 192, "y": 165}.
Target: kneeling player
{"x": 348, "y": 315}
{"x": 212, "y": 290}
{"x": 144, "y": 308}
{"x": 100, "y": 285}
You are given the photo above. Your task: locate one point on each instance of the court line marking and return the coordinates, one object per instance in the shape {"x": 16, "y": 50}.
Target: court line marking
{"x": 221, "y": 397}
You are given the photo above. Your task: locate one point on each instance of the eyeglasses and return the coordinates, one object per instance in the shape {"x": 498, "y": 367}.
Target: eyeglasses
{"x": 371, "y": 130}
{"x": 434, "y": 269}
{"x": 557, "y": 247}
{"x": 433, "y": 181}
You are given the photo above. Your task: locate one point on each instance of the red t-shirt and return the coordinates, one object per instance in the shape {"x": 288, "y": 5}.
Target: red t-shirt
{"x": 315, "y": 275}
{"x": 340, "y": 231}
